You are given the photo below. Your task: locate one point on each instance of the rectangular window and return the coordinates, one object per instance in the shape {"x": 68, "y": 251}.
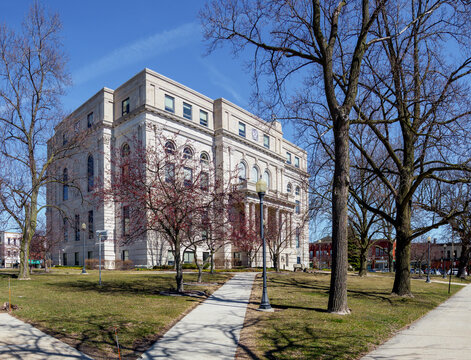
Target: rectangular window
{"x": 188, "y": 257}
{"x": 64, "y": 139}
{"x": 205, "y": 256}
{"x": 241, "y": 129}
{"x": 76, "y": 258}
{"x": 297, "y": 238}
{"x": 266, "y": 141}
{"x": 126, "y": 220}
{"x": 77, "y": 227}
{"x": 64, "y": 259}
{"x": 187, "y": 111}
{"x": 65, "y": 227}
{"x": 204, "y": 181}
{"x": 296, "y": 161}
{"x": 169, "y": 173}
{"x": 125, "y": 255}
{"x": 125, "y": 107}
{"x": 169, "y": 103}
{"x": 288, "y": 158}
{"x": 90, "y": 255}
{"x": 170, "y": 258}
{"x": 298, "y": 260}
{"x": 298, "y": 207}
{"x": 187, "y": 176}
{"x": 90, "y": 224}
{"x": 9, "y": 241}
{"x": 90, "y": 120}
{"x": 203, "y": 118}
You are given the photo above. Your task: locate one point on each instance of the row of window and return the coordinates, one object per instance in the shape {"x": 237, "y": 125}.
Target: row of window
{"x": 242, "y": 132}
{"x": 9, "y": 254}
{"x": 289, "y": 161}
{"x": 90, "y": 178}
{"x": 254, "y": 174}
{"x": 11, "y": 241}
{"x": 187, "y": 110}
{"x": 76, "y": 258}
{"x": 77, "y": 227}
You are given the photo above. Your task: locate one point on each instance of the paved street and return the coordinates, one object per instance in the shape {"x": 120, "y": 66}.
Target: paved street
{"x": 211, "y": 330}
{"x": 444, "y": 333}
{"x": 22, "y": 341}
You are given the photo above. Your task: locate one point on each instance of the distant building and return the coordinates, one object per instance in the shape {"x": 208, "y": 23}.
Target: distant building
{"x": 9, "y": 249}
{"x": 320, "y": 253}
{"x": 218, "y": 131}
{"x": 378, "y": 255}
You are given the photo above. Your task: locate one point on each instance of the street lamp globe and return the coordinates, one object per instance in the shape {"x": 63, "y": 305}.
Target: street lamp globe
{"x": 261, "y": 186}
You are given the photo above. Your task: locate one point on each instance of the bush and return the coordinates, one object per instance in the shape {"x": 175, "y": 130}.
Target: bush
{"x": 189, "y": 266}
{"x": 162, "y": 267}
{"x": 91, "y": 264}
{"x": 124, "y": 265}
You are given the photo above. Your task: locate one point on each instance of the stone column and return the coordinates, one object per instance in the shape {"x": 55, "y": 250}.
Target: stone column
{"x": 291, "y": 228}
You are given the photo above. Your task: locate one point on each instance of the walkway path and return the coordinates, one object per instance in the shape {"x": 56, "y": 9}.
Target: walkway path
{"x": 444, "y": 333}
{"x": 211, "y": 330}
{"x": 19, "y": 340}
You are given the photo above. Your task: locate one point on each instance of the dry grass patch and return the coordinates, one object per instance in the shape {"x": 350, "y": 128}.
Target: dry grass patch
{"x": 300, "y": 327}
{"x": 76, "y": 310}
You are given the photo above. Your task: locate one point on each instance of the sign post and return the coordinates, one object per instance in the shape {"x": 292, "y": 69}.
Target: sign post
{"x": 102, "y": 234}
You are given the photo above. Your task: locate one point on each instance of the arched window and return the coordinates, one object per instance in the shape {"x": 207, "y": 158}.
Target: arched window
{"x": 288, "y": 188}
{"x": 125, "y": 150}
{"x": 266, "y": 177}
{"x": 169, "y": 147}
{"x": 65, "y": 185}
{"x": 254, "y": 174}
{"x": 90, "y": 173}
{"x": 187, "y": 153}
{"x": 204, "y": 158}
{"x": 298, "y": 190}
{"x": 242, "y": 171}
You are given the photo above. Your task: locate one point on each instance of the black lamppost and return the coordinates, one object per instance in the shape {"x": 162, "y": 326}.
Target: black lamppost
{"x": 261, "y": 187}
{"x": 84, "y": 227}
{"x": 444, "y": 260}
{"x": 428, "y": 272}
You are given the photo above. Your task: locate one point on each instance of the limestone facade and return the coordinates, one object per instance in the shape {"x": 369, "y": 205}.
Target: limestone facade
{"x": 231, "y": 136}
{"x": 9, "y": 249}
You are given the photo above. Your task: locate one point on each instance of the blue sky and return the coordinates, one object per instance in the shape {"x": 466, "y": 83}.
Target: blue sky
{"x": 109, "y": 41}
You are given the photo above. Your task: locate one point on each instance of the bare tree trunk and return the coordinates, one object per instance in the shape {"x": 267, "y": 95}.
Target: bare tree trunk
{"x": 463, "y": 262}
{"x": 363, "y": 263}
{"x": 200, "y": 268}
{"x": 178, "y": 267}
{"x": 28, "y": 232}
{"x": 402, "y": 278}
{"x": 212, "y": 263}
{"x": 338, "y": 281}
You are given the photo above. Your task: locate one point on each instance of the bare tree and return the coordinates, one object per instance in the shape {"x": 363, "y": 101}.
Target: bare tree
{"x": 415, "y": 99}
{"x": 318, "y": 42}
{"x": 32, "y": 78}
{"x": 165, "y": 189}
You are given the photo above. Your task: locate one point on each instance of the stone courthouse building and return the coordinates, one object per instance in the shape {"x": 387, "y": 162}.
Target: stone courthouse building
{"x": 218, "y": 131}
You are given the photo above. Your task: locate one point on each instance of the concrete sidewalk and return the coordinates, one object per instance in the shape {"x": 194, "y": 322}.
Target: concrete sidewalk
{"x": 443, "y": 333}
{"x": 19, "y": 340}
{"x": 212, "y": 329}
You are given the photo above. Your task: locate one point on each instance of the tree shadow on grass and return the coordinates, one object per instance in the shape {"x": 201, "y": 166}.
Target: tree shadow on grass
{"x": 321, "y": 287}
{"x": 303, "y": 343}
{"x": 138, "y": 286}
{"x": 97, "y": 337}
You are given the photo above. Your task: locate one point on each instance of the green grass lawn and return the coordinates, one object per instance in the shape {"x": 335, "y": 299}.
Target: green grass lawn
{"x": 300, "y": 327}
{"x": 75, "y": 309}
